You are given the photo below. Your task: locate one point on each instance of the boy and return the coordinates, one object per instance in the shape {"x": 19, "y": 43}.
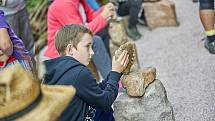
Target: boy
{"x": 74, "y": 44}
{"x": 12, "y": 49}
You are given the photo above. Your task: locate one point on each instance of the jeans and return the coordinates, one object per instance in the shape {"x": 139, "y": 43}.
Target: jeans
{"x": 105, "y": 38}
{"x": 101, "y": 57}
{"x": 206, "y": 4}
{"x": 131, "y": 8}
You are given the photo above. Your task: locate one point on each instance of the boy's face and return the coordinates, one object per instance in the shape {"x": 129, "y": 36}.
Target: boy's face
{"x": 83, "y": 51}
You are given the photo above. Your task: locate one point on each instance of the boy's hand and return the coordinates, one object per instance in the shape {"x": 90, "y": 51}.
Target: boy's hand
{"x": 120, "y": 64}
{"x": 3, "y": 60}
{"x": 108, "y": 11}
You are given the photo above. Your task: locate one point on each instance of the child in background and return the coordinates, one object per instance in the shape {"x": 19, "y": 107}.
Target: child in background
{"x": 12, "y": 49}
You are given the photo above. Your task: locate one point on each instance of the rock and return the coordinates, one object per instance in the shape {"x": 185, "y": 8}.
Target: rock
{"x": 136, "y": 82}
{"x": 130, "y": 47}
{"x": 117, "y": 33}
{"x": 113, "y": 48}
{"x": 149, "y": 74}
{"x": 161, "y": 13}
{"x": 153, "y": 106}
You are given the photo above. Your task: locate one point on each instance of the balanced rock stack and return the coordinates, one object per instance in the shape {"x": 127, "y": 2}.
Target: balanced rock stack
{"x": 160, "y": 13}
{"x": 145, "y": 98}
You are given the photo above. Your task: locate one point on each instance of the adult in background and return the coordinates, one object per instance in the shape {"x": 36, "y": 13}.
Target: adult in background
{"x": 132, "y": 9}
{"x": 207, "y": 17}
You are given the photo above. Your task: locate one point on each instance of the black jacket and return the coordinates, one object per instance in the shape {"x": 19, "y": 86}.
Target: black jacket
{"x": 68, "y": 71}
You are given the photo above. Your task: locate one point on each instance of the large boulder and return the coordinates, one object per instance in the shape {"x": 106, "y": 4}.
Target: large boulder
{"x": 161, "y": 13}
{"x": 153, "y": 106}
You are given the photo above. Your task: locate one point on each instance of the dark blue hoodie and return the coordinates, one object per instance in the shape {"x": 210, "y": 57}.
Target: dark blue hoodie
{"x": 68, "y": 71}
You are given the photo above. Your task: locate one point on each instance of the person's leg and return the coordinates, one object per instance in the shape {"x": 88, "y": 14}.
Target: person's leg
{"x": 142, "y": 19}
{"x": 123, "y": 9}
{"x": 134, "y": 9}
{"x": 105, "y": 38}
{"x": 101, "y": 57}
{"x": 207, "y": 17}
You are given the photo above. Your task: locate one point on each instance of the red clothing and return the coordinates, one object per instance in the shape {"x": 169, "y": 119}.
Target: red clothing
{"x": 10, "y": 60}
{"x": 62, "y": 12}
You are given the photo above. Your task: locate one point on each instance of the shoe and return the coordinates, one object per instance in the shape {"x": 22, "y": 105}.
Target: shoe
{"x": 133, "y": 33}
{"x": 210, "y": 46}
{"x": 142, "y": 22}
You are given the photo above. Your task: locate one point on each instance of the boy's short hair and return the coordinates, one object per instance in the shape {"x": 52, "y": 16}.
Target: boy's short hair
{"x": 69, "y": 34}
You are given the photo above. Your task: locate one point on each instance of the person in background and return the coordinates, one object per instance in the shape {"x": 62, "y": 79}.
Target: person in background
{"x": 12, "y": 49}
{"x": 131, "y": 8}
{"x": 63, "y": 12}
{"x": 17, "y": 16}
{"x": 74, "y": 44}
{"x": 207, "y": 17}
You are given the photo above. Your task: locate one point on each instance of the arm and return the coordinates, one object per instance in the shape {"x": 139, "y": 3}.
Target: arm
{"x": 104, "y": 82}
{"x": 68, "y": 13}
{"x": 105, "y": 11}
{"x": 6, "y": 45}
{"x": 89, "y": 91}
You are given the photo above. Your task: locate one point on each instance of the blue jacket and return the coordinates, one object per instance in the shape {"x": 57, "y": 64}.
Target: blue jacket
{"x": 68, "y": 71}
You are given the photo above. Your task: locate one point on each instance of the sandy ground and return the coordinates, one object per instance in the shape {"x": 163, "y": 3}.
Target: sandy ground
{"x": 184, "y": 66}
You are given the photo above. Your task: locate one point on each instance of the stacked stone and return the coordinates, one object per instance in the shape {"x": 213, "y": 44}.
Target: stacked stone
{"x": 145, "y": 98}
{"x": 160, "y": 13}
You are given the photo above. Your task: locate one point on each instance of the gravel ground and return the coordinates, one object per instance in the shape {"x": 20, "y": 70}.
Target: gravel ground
{"x": 184, "y": 66}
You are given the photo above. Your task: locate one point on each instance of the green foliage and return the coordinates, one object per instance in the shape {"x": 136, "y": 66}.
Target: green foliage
{"x": 31, "y": 4}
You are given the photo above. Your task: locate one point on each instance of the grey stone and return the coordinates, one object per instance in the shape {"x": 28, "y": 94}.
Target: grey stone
{"x": 153, "y": 106}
